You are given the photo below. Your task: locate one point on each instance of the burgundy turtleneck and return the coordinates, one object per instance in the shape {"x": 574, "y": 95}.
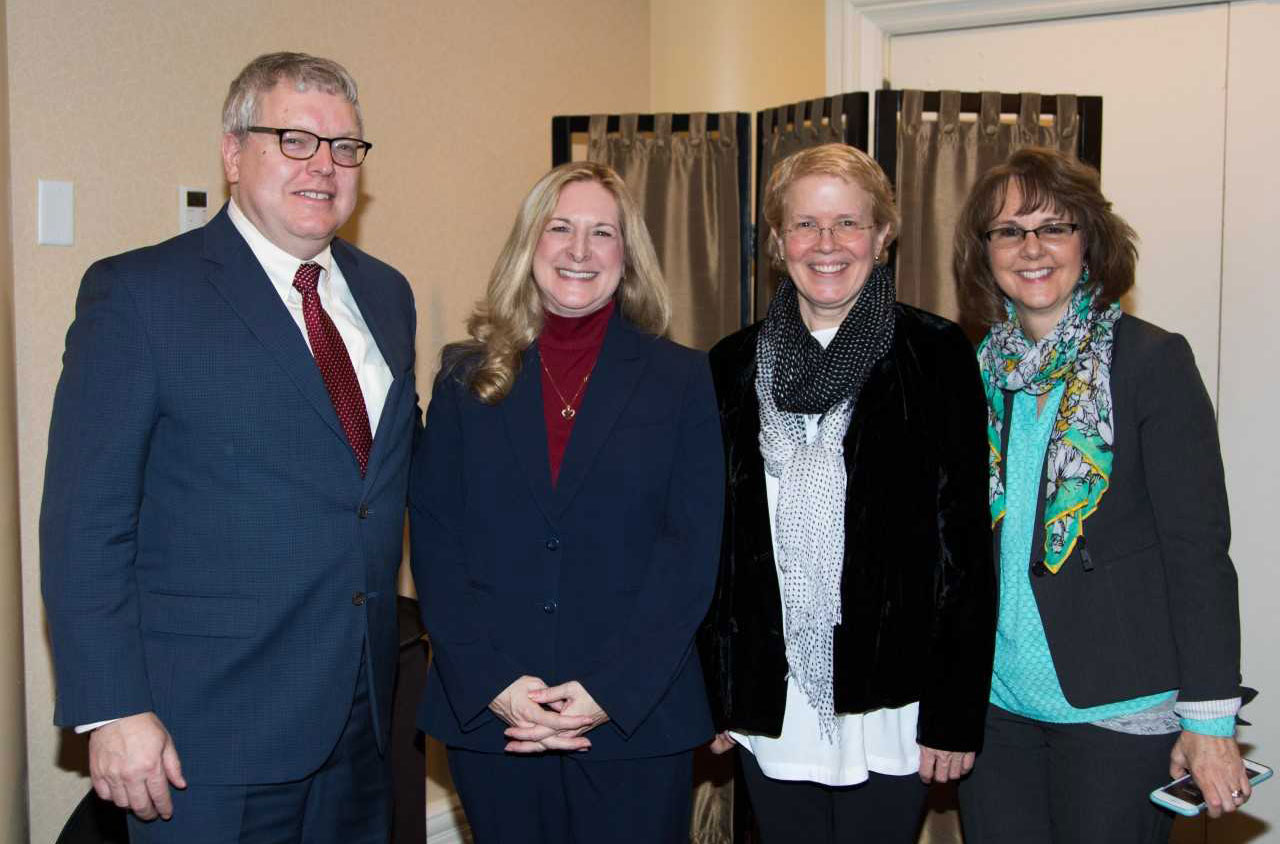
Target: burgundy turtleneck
{"x": 569, "y": 347}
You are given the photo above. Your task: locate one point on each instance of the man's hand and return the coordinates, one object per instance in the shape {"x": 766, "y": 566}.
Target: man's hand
{"x": 944, "y": 765}
{"x": 533, "y": 727}
{"x": 571, "y": 701}
{"x": 1215, "y": 765}
{"x": 132, "y": 762}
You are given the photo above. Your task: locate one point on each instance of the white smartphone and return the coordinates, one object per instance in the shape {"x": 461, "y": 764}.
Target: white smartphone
{"x": 1184, "y": 797}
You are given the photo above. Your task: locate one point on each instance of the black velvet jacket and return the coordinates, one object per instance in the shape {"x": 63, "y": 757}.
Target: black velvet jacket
{"x": 919, "y": 586}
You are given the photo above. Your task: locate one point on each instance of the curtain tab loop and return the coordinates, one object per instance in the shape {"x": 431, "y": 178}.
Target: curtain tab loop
{"x": 697, "y": 127}
{"x": 815, "y": 118}
{"x": 836, "y": 120}
{"x": 772, "y": 118}
{"x": 912, "y": 112}
{"x": 1029, "y": 118}
{"x": 1067, "y": 124}
{"x": 989, "y": 115}
{"x": 728, "y": 128}
{"x": 628, "y": 128}
{"x": 949, "y": 112}
{"x": 597, "y": 136}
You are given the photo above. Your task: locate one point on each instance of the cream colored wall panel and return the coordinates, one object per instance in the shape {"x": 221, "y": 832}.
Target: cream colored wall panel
{"x": 1249, "y": 388}
{"x": 1161, "y": 75}
{"x": 736, "y": 55}
{"x": 124, "y": 100}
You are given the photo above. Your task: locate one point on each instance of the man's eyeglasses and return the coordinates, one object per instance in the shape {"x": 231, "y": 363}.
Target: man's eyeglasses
{"x": 300, "y": 145}
{"x": 1008, "y": 237}
{"x": 844, "y": 232}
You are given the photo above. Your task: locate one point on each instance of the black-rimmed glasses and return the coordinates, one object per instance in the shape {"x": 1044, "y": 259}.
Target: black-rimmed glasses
{"x": 1007, "y": 237}
{"x": 299, "y": 144}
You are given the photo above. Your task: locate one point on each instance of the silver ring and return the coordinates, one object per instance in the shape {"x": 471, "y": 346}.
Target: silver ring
{"x": 1237, "y": 794}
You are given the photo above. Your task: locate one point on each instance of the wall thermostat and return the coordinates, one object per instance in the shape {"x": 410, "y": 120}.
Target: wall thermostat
{"x": 193, "y": 208}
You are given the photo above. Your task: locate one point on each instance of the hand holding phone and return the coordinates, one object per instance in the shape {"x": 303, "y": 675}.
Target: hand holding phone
{"x": 1184, "y": 796}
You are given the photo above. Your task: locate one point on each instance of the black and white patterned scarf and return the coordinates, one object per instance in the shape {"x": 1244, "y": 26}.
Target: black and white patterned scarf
{"x": 797, "y": 376}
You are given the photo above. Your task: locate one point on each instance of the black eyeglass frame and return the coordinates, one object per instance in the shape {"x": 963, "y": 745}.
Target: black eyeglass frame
{"x": 1022, "y": 233}
{"x": 362, "y": 145}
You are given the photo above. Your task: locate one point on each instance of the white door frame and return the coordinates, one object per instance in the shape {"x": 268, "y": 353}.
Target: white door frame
{"x": 858, "y": 30}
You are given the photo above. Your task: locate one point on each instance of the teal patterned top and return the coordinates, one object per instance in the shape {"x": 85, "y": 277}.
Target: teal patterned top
{"x": 1025, "y": 680}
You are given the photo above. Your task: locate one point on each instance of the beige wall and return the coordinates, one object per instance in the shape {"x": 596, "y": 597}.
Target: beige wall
{"x": 13, "y": 731}
{"x": 736, "y": 55}
{"x": 1248, "y": 390}
{"x": 123, "y": 99}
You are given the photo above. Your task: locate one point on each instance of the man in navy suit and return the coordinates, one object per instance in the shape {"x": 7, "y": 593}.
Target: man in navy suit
{"x": 224, "y": 496}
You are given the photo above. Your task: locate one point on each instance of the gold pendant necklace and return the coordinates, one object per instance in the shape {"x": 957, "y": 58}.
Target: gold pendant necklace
{"x": 567, "y": 412}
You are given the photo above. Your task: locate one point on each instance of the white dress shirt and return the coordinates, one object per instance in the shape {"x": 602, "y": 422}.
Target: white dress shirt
{"x": 335, "y": 296}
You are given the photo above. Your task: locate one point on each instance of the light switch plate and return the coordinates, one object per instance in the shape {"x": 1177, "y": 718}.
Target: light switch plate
{"x": 56, "y": 213}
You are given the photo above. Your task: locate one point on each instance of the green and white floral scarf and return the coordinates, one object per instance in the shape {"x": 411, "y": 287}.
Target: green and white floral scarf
{"x": 1077, "y": 351}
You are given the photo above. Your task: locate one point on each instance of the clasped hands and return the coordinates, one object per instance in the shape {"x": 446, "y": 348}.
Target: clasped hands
{"x": 541, "y": 717}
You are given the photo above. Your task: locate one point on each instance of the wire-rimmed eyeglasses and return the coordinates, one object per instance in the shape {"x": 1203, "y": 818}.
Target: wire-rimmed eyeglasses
{"x": 808, "y": 232}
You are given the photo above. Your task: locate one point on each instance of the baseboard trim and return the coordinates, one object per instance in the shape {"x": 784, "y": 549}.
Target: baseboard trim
{"x": 446, "y": 823}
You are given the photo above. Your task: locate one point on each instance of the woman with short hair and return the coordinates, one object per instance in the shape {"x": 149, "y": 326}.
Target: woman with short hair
{"x": 848, "y": 648}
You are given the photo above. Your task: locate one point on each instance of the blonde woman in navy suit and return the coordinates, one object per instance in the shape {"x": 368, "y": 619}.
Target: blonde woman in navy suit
{"x": 566, "y": 506}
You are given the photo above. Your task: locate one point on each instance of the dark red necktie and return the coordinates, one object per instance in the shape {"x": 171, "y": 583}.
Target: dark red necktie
{"x": 335, "y": 365}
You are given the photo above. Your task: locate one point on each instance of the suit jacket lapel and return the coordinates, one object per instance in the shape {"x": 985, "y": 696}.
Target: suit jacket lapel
{"x": 527, "y": 428}
{"x": 241, "y": 280}
{"x": 614, "y": 379}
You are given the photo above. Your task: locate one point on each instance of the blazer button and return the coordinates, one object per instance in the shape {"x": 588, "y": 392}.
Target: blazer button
{"x": 553, "y": 544}
{"x": 363, "y": 512}
{"x": 358, "y": 599}
{"x": 1039, "y": 569}
{"x": 549, "y": 607}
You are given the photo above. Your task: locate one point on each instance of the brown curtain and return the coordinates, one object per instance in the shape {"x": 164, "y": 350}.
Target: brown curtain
{"x": 787, "y": 129}
{"x": 687, "y": 187}
{"x": 939, "y": 158}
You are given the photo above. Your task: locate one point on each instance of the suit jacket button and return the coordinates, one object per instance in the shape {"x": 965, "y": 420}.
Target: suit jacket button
{"x": 1039, "y": 569}
{"x": 549, "y": 607}
{"x": 363, "y": 512}
{"x": 358, "y": 599}
{"x": 553, "y": 544}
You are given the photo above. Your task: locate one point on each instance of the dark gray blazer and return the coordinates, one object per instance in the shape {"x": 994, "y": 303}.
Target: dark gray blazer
{"x": 1147, "y": 600}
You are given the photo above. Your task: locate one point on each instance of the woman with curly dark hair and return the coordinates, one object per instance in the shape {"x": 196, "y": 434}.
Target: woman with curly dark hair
{"x": 1118, "y": 641}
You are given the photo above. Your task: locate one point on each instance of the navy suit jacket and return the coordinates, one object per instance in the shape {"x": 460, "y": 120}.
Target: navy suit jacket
{"x": 603, "y": 578}
{"x": 209, "y": 550}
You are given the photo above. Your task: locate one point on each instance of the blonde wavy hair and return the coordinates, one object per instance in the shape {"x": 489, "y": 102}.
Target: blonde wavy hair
{"x": 509, "y": 317}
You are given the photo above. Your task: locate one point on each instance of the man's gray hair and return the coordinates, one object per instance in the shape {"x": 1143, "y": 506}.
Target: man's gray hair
{"x": 304, "y": 72}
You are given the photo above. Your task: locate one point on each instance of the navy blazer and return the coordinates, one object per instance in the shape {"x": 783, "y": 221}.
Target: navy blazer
{"x": 209, "y": 550}
{"x": 603, "y": 578}
{"x": 1147, "y": 601}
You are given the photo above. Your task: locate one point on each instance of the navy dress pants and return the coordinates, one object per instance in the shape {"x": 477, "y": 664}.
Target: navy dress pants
{"x": 565, "y": 798}
{"x": 346, "y": 801}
